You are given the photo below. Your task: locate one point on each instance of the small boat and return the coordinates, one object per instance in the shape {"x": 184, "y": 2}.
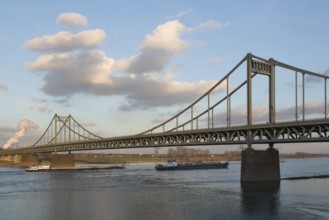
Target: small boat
{"x": 172, "y": 165}
{"x": 38, "y": 168}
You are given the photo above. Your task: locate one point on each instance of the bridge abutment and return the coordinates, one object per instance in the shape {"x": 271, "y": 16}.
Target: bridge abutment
{"x": 260, "y": 165}
{"x": 6, "y": 159}
{"x": 62, "y": 160}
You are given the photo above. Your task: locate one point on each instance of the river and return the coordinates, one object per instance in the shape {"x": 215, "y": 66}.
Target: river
{"x": 141, "y": 192}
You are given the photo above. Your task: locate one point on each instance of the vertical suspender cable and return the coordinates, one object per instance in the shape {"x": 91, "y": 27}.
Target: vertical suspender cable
{"x": 227, "y": 102}
{"x": 192, "y": 117}
{"x": 325, "y": 98}
{"x": 208, "y": 110}
{"x": 303, "y": 97}
{"x": 296, "y": 96}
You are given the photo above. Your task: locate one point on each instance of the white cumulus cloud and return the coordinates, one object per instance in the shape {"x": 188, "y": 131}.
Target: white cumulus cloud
{"x": 72, "y": 19}
{"x": 65, "y": 41}
{"x": 156, "y": 50}
{"x": 70, "y": 73}
{"x": 70, "y": 67}
{"x": 166, "y": 37}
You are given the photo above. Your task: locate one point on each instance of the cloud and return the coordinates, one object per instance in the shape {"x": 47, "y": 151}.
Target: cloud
{"x": 3, "y": 87}
{"x": 142, "y": 77}
{"x": 65, "y": 41}
{"x": 239, "y": 115}
{"x": 312, "y": 108}
{"x": 4, "y": 129}
{"x": 180, "y": 14}
{"x": 36, "y": 99}
{"x": 166, "y": 37}
{"x": 41, "y": 109}
{"x": 63, "y": 101}
{"x": 314, "y": 79}
{"x": 261, "y": 113}
{"x": 210, "y": 24}
{"x": 72, "y": 19}
{"x": 160, "y": 118}
{"x": 326, "y": 72}
{"x": 155, "y": 91}
{"x": 88, "y": 124}
{"x": 44, "y": 109}
{"x": 151, "y": 60}
{"x": 70, "y": 73}
{"x": 90, "y": 72}
{"x": 156, "y": 50}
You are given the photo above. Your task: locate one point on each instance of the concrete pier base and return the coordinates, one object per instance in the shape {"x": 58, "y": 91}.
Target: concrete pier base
{"x": 17, "y": 158}
{"x": 260, "y": 165}
{"x": 28, "y": 159}
{"x": 25, "y": 160}
{"x": 6, "y": 159}
{"x": 62, "y": 160}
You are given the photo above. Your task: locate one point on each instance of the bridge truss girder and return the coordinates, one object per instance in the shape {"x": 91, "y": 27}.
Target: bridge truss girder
{"x": 306, "y": 132}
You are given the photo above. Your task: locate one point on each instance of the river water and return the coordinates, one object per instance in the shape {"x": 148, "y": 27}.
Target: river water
{"x": 141, "y": 192}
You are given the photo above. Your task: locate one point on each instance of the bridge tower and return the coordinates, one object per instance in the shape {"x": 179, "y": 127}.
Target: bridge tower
{"x": 259, "y": 165}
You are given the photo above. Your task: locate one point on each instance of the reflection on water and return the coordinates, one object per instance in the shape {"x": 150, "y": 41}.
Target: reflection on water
{"x": 260, "y": 198}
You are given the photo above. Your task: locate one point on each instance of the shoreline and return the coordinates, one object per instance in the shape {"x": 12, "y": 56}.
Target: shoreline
{"x": 129, "y": 159}
{"x": 100, "y": 158}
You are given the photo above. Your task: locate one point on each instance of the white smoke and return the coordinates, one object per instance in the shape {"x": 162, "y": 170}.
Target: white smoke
{"x": 22, "y": 126}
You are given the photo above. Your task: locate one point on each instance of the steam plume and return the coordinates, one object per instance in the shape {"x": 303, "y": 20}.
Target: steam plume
{"x": 22, "y": 126}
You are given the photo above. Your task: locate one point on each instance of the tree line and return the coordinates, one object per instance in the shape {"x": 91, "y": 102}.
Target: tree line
{"x": 187, "y": 152}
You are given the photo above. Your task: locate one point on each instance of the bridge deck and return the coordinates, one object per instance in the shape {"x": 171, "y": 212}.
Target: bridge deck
{"x": 288, "y": 132}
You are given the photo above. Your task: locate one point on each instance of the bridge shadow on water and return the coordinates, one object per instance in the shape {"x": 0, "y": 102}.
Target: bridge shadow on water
{"x": 260, "y": 199}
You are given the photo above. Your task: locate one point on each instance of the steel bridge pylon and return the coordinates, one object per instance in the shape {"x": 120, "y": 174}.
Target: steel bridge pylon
{"x": 64, "y": 129}
{"x": 208, "y": 115}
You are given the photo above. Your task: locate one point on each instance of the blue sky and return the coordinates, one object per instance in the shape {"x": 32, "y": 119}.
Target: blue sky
{"x": 120, "y": 66}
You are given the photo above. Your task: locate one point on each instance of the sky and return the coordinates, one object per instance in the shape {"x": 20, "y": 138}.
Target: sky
{"x": 122, "y": 67}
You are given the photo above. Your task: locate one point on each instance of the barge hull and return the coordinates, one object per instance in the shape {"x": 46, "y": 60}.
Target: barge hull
{"x": 193, "y": 166}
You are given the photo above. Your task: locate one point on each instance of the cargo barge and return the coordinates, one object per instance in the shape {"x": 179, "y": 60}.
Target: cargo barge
{"x": 172, "y": 165}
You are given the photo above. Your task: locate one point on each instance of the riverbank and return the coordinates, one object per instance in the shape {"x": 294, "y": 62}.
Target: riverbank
{"x": 149, "y": 158}
{"x": 6, "y": 164}
{"x": 101, "y": 158}
{"x": 82, "y": 158}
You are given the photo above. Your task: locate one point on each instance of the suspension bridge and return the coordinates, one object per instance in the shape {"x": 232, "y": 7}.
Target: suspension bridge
{"x": 193, "y": 126}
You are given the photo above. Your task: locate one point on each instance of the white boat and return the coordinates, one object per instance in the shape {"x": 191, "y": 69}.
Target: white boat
{"x": 38, "y": 168}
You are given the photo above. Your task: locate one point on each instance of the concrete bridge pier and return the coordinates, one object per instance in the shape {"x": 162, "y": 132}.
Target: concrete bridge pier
{"x": 25, "y": 159}
{"x": 6, "y": 158}
{"x": 260, "y": 165}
